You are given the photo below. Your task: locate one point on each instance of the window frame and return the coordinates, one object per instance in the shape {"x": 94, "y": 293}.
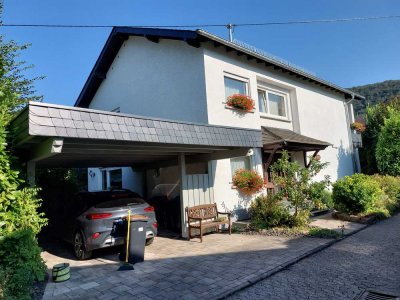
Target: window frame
{"x": 238, "y": 78}
{"x": 286, "y": 99}
{"x": 240, "y": 157}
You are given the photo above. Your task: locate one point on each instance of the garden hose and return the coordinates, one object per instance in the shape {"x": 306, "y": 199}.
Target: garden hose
{"x": 61, "y": 272}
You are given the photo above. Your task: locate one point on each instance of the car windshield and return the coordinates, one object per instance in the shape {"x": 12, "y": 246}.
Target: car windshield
{"x": 119, "y": 202}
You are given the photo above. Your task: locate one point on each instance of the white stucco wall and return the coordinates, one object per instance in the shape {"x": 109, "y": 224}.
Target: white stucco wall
{"x": 164, "y": 80}
{"x": 130, "y": 179}
{"x": 313, "y": 111}
{"x": 176, "y": 81}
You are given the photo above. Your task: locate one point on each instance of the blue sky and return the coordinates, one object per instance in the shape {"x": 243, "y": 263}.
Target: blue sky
{"x": 347, "y": 54}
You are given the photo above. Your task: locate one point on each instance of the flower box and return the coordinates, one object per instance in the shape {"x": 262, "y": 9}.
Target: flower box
{"x": 240, "y": 102}
{"x": 359, "y": 127}
{"x": 248, "y": 182}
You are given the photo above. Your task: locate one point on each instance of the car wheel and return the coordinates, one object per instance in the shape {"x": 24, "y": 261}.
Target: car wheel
{"x": 79, "y": 247}
{"x": 149, "y": 241}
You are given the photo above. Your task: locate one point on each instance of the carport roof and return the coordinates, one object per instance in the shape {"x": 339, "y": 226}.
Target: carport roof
{"x": 87, "y": 137}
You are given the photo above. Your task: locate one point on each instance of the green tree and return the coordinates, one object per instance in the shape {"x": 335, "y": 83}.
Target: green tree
{"x": 388, "y": 145}
{"x": 296, "y": 184}
{"x": 375, "y": 119}
{"x": 20, "y": 261}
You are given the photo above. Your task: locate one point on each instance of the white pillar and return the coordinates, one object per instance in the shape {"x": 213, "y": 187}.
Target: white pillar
{"x": 183, "y": 193}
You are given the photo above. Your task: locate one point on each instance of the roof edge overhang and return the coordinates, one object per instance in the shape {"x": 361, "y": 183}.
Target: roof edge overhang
{"x": 292, "y": 142}
{"x": 193, "y": 38}
{"x": 57, "y": 135}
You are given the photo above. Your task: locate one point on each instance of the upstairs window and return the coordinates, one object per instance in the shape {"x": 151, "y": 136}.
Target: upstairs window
{"x": 272, "y": 103}
{"x": 235, "y": 86}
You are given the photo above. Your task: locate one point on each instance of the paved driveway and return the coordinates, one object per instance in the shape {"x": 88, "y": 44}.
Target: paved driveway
{"x": 369, "y": 259}
{"x": 179, "y": 269}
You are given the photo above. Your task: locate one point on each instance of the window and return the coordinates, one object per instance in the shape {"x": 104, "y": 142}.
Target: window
{"x": 234, "y": 86}
{"x": 117, "y": 109}
{"x": 240, "y": 163}
{"x": 116, "y": 179}
{"x": 272, "y": 103}
{"x": 111, "y": 179}
{"x": 262, "y": 101}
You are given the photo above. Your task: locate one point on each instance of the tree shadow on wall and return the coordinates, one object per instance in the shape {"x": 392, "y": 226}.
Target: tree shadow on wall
{"x": 345, "y": 161}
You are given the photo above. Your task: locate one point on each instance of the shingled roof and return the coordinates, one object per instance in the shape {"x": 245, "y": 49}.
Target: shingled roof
{"x": 73, "y": 122}
{"x": 288, "y": 139}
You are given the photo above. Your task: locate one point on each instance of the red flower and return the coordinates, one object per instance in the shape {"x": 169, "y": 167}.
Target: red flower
{"x": 242, "y": 102}
{"x": 248, "y": 182}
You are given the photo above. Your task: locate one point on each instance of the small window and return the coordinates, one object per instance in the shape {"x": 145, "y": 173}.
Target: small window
{"x": 276, "y": 104}
{"x": 262, "y": 101}
{"x": 234, "y": 86}
{"x": 240, "y": 163}
{"x": 117, "y": 109}
{"x": 272, "y": 103}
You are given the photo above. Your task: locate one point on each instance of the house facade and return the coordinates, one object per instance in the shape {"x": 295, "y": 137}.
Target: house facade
{"x": 187, "y": 76}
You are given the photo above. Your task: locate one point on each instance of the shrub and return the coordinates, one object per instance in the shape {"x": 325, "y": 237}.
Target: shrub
{"x": 321, "y": 197}
{"x": 301, "y": 218}
{"x": 20, "y": 264}
{"x": 267, "y": 211}
{"x": 355, "y": 194}
{"x": 324, "y": 233}
{"x": 390, "y": 186}
{"x": 248, "y": 182}
{"x": 388, "y": 146}
{"x": 295, "y": 183}
{"x": 242, "y": 102}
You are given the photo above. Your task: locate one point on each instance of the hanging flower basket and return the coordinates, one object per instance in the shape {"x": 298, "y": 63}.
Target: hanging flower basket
{"x": 248, "y": 182}
{"x": 359, "y": 127}
{"x": 241, "y": 102}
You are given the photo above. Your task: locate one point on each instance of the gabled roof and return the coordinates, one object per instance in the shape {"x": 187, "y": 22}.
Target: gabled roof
{"x": 287, "y": 139}
{"x": 194, "y": 38}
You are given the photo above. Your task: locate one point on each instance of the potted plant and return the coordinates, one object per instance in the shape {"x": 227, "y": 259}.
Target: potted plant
{"x": 248, "y": 182}
{"x": 359, "y": 127}
{"x": 241, "y": 102}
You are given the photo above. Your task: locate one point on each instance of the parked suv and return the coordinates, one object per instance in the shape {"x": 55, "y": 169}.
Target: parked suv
{"x": 95, "y": 220}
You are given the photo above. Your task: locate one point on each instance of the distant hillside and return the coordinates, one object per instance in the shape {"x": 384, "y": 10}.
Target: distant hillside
{"x": 375, "y": 93}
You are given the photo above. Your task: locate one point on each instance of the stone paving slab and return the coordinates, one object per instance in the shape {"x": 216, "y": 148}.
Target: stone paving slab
{"x": 327, "y": 221}
{"x": 180, "y": 269}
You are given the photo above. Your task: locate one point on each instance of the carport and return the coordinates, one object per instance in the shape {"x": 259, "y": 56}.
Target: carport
{"x": 50, "y": 135}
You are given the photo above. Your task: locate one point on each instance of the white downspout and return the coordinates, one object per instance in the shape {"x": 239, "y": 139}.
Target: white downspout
{"x": 350, "y": 119}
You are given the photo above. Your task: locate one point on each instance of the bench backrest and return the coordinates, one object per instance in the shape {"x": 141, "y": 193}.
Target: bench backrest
{"x": 204, "y": 211}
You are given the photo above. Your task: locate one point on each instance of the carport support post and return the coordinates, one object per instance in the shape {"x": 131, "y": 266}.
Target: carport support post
{"x": 183, "y": 193}
{"x": 31, "y": 172}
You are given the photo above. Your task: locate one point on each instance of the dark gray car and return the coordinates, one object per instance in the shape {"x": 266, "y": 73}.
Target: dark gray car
{"x": 98, "y": 220}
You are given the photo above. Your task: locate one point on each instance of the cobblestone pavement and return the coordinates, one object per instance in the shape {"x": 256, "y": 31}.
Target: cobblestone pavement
{"x": 179, "y": 269}
{"x": 369, "y": 259}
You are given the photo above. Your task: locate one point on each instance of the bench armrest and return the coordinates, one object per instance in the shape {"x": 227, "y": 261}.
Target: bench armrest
{"x": 224, "y": 213}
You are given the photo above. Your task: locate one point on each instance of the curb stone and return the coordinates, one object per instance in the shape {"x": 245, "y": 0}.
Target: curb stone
{"x": 269, "y": 273}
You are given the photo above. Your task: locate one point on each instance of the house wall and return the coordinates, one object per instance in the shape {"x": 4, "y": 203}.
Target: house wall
{"x": 313, "y": 111}
{"x": 130, "y": 179}
{"x": 164, "y": 80}
{"x": 181, "y": 82}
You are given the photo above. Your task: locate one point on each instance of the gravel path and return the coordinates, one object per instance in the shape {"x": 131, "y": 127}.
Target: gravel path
{"x": 369, "y": 259}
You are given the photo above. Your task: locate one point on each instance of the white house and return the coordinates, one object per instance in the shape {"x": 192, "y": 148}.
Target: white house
{"x": 187, "y": 76}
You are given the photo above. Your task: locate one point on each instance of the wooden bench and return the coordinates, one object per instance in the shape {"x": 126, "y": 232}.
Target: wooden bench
{"x": 206, "y": 216}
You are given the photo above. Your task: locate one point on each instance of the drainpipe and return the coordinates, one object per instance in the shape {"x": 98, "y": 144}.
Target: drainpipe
{"x": 350, "y": 119}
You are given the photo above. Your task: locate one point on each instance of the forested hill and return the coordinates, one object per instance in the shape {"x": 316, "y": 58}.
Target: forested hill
{"x": 375, "y": 93}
